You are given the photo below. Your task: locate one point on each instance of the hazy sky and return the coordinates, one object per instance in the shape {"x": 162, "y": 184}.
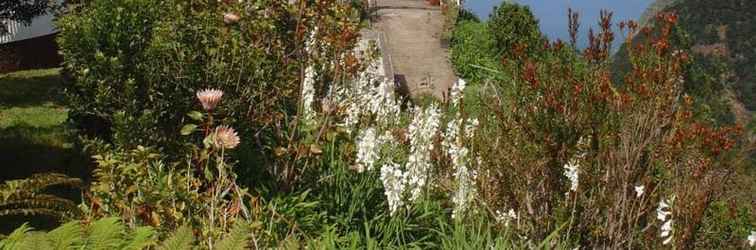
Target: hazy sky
{"x": 552, "y": 14}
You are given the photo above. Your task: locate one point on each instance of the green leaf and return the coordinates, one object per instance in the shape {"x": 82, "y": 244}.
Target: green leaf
{"x": 181, "y": 239}
{"x": 196, "y": 115}
{"x": 188, "y": 129}
{"x": 237, "y": 238}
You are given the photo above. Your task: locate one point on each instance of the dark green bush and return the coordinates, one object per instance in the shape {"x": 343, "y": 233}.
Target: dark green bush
{"x": 473, "y": 48}
{"x": 514, "y": 25}
{"x": 136, "y": 64}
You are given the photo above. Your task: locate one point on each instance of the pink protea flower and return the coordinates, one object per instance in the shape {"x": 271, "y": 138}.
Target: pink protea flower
{"x": 225, "y": 137}
{"x": 230, "y": 18}
{"x": 209, "y": 98}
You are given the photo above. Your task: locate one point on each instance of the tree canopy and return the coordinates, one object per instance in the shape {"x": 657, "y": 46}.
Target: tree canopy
{"x": 22, "y": 11}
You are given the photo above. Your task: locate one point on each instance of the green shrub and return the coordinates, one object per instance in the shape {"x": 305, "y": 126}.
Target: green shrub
{"x": 606, "y": 159}
{"x": 103, "y": 44}
{"x": 136, "y": 64}
{"x": 724, "y": 226}
{"x": 473, "y": 48}
{"x": 512, "y": 26}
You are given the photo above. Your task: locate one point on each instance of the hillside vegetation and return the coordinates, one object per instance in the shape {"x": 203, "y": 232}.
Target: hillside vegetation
{"x": 269, "y": 124}
{"x": 722, "y": 31}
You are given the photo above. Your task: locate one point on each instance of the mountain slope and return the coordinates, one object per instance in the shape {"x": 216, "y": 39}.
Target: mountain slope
{"x": 724, "y": 29}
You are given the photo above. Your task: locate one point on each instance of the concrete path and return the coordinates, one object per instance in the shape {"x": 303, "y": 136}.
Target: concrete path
{"x": 412, "y": 29}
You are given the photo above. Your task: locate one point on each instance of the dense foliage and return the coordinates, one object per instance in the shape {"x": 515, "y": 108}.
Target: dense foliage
{"x": 135, "y": 66}
{"x": 244, "y": 123}
{"x": 473, "y": 54}
{"x": 603, "y": 157}
{"x": 720, "y": 31}
{"x": 514, "y": 28}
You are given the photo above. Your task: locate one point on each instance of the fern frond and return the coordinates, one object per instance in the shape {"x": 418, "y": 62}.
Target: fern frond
{"x": 25, "y": 196}
{"x": 66, "y": 236}
{"x": 33, "y": 241}
{"x": 15, "y": 238}
{"x": 31, "y": 211}
{"x": 40, "y": 200}
{"x": 105, "y": 234}
{"x": 35, "y": 184}
{"x": 238, "y": 238}
{"x": 142, "y": 238}
{"x": 181, "y": 239}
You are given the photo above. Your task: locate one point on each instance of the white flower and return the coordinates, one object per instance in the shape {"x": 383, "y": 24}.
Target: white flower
{"x": 308, "y": 94}
{"x": 370, "y": 95}
{"x": 209, "y": 98}
{"x": 421, "y": 131}
{"x": 454, "y": 146}
{"x": 457, "y": 91}
{"x": 450, "y": 135}
{"x": 752, "y": 238}
{"x": 308, "y": 83}
{"x": 225, "y": 137}
{"x": 662, "y": 211}
{"x": 367, "y": 150}
{"x": 664, "y": 214}
{"x": 571, "y": 172}
{"x": 666, "y": 228}
{"x": 639, "y": 190}
{"x": 505, "y": 218}
{"x": 667, "y": 241}
{"x": 393, "y": 182}
{"x": 462, "y": 196}
{"x": 465, "y": 178}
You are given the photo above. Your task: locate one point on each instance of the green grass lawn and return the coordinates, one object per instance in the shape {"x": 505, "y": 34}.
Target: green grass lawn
{"x": 33, "y": 134}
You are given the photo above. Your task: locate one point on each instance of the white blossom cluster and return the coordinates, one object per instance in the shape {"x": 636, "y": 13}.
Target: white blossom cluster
{"x": 505, "y": 218}
{"x": 308, "y": 83}
{"x": 572, "y": 167}
{"x": 466, "y": 190}
{"x": 308, "y": 94}
{"x": 455, "y": 135}
{"x": 368, "y": 150}
{"x": 664, "y": 214}
{"x": 752, "y": 239}
{"x": 370, "y": 100}
{"x": 394, "y": 183}
{"x": 371, "y": 94}
{"x": 571, "y": 172}
{"x": 424, "y": 126}
{"x": 457, "y": 92}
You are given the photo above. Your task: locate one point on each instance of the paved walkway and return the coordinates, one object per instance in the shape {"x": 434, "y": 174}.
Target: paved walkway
{"x": 412, "y": 29}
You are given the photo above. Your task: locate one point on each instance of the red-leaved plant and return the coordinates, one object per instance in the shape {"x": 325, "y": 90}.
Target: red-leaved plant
{"x": 576, "y": 152}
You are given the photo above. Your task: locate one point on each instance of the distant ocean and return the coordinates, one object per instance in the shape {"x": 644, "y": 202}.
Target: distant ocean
{"x": 552, "y": 14}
